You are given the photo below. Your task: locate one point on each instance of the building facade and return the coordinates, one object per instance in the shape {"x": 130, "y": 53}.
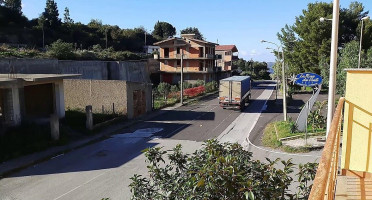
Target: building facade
{"x": 226, "y": 55}
{"x": 198, "y": 61}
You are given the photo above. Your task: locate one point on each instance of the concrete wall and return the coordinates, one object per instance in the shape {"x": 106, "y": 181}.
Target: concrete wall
{"x": 103, "y": 94}
{"x": 136, "y": 71}
{"x": 357, "y": 131}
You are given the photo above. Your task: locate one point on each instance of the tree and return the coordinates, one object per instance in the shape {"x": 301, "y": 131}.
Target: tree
{"x": 164, "y": 30}
{"x": 67, "y": 19}
{"x": 15, "y": 5}
{"x": 218, "y": 171}
{"x": 164, "y": 89}
{"x": 193, "y": 30}
{"x": 307, "y": 42}
{"x": 51, "y": 15}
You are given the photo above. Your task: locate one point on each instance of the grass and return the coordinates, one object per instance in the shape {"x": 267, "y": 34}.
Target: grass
{"x": 76, "y": 119}
{"x": 28, "y": 138}
{"x": 160, "y": 103}
{"x": 275, "y": 131}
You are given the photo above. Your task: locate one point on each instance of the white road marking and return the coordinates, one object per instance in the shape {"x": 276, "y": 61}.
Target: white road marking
{"x": 80, "y": 185}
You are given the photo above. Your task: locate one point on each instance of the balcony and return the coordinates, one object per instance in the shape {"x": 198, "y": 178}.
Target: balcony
{"x": 351, "y": 176}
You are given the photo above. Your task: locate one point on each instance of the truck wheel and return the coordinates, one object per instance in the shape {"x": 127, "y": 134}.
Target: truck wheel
{"x": 242, "y": 106}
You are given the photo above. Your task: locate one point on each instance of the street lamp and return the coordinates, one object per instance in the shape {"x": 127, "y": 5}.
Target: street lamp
{"x": 333, "y": 64}
{"x": 322, "y": 19}
{"x": 361, "y": 38}
{"x": 277, "y": 76}
{"x": 284, "y": 80}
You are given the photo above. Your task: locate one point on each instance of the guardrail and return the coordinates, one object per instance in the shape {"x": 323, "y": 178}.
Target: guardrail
{"x": 326, "y": 175}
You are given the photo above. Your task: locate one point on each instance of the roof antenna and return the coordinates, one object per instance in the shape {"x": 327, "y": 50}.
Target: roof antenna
{"x": 217, "y": 40}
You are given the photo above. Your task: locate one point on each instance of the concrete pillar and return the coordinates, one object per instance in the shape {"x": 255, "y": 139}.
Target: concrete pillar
{"x": 89, "y": 115}
{"x": 54, "y": 126}
{"x": 59, "y": 99}
{"x": 16, "y": 117}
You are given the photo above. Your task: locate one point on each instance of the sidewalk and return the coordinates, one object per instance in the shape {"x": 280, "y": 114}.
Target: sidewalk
{"x": 22, "y": 162}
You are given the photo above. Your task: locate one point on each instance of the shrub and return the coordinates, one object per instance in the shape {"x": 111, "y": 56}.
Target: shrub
{"x": 216, "y": 171}
{"x": 174, "y": 88}
{"x": 186, "y": 85}
{"x": 211, "y": 86}
{"x": 192, "y": 92}
{"x": 164, "y": 89}
{"x": 86, "y": 55}
{"x": 317, "y": 120}
{"x": 199, "y": 83}
{"x": 61, "y": 50}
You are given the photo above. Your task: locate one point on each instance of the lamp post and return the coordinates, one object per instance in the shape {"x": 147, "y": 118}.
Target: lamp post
{"x": 277, "y": 76}
{"x": 284, "y": 79}
{"x": 361, "y": 39}
{"x": 333, "y": 64}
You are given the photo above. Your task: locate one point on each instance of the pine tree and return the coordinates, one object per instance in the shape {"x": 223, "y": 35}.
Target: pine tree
{"x": 67, "y": 19}
{"x": 51, "y": 14}
{"x": 15, "y": 5}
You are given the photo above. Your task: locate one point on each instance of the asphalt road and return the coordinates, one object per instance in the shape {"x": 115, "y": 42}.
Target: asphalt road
{"x": 103, "y": 169}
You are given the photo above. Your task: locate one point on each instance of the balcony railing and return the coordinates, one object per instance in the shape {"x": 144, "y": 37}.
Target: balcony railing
{"x": 325, "y": 180}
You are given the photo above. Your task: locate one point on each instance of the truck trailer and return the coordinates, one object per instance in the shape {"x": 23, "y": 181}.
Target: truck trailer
{"x": 234, "y": 92}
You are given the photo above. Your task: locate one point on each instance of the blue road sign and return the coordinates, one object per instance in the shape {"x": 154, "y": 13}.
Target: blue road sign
{"x": 308, "y": 79}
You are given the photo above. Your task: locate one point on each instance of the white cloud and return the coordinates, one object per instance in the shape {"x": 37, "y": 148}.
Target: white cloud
{"x": 243, "y": 53}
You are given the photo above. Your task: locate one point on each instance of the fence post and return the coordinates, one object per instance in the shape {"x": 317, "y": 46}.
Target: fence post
{"x": 54, "y": 126}
{"x": 89, "y": 115}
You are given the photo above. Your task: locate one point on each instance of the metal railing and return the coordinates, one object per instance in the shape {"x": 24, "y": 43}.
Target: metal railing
{"x": 324, "y": 185}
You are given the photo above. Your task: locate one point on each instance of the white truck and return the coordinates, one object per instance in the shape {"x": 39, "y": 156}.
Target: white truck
{"x": 234, "y": 92}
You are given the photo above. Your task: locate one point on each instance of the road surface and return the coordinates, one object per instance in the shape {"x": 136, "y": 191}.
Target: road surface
{"x": 104, "y": 169}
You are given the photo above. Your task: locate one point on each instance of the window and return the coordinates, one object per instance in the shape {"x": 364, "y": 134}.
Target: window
{"x": 178, "y": 63}
{"x": 166, "y": 52}
{"x": 228, "y": 53}
{"x": 178, "y": 50}
{"x": 201, "y": 52}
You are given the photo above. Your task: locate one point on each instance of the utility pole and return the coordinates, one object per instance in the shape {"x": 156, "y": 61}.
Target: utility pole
{"x": 284, "y": 88}
{"x": 361, "y": 39}
{"x": 106, "y": 37}
{"x": 333, "y": 64}
{"x": 181, "y": 76}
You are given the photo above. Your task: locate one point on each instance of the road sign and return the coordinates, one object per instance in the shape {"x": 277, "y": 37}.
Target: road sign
{"x": 308, "y": 79}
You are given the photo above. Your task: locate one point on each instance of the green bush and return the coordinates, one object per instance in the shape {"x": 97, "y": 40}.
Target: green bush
{"x": 211, "y": 86}
{"x": 164, "y": 89}
{"x": 61, "y": 50}
{"x": 174, "y": 88}
{"x": 199, "y": 83}
{"x": 217, "y": 171}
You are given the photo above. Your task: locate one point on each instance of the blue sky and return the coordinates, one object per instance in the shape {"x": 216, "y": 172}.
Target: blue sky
{"x": 241, "y": 22}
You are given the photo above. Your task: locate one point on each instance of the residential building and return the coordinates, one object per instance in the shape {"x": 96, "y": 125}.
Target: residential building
{"x": 347, "y": 174}
{"x": 226, "y": 55}
{"x": 198, "y": 59}
{"x": 149, "y": 49}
